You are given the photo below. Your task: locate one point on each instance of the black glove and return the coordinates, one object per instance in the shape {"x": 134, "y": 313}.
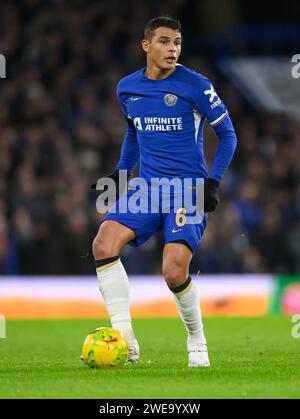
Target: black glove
{"x": 211, "y": 198}
{"x": 115, "y": 176}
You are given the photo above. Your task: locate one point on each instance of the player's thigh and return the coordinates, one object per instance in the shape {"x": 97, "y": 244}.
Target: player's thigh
{"x": 189, "y": 232}
{"x": 112, "y": 236}
{"x": 176, "y": 260}
{"x": 141, "y": 220}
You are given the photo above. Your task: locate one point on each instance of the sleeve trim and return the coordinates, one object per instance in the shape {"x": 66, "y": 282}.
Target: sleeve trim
{"x": 216, "y": 121}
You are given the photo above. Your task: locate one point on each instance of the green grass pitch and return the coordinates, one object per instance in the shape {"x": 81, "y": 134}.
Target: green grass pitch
{"x": 250, "y": 358}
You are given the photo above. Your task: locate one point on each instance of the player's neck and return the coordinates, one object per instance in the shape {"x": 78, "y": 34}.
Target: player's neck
{"x": 155, "y": 73}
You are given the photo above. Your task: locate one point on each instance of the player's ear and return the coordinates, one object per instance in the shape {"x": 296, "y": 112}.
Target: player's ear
{"x": 145, "y": 45}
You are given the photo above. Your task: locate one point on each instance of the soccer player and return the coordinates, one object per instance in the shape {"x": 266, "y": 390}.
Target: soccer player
{"x": 165, "y": 105}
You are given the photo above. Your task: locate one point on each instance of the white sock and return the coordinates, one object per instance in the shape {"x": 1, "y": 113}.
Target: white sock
{"x": 114, "y": 287}
{"x": 188, "y": 305}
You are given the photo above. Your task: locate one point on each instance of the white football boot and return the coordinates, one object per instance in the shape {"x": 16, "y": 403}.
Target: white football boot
{"x": 198, "y": 356}
{"x": 134, "y": 351}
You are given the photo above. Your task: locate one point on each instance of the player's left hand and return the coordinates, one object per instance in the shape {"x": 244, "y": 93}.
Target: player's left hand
{"x": 211, "y": 198}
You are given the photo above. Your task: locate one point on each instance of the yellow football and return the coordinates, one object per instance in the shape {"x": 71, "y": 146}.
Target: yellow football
{"x": 105, "y": 347}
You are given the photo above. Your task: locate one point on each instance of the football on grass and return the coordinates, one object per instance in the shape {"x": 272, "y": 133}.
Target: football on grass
{"x": 105, "y": 348}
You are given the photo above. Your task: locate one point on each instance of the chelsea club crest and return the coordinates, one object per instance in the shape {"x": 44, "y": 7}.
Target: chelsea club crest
{"x": 170, "y": 100}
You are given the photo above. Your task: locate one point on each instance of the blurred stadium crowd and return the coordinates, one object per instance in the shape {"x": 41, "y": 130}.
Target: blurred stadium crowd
{"x": 61, "y": 129}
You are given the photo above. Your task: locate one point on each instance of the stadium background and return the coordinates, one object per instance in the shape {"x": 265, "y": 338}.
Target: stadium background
{"x": 61, "y": 129}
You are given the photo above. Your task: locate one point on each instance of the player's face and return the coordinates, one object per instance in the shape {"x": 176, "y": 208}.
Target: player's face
{"x": 164, "y": 48}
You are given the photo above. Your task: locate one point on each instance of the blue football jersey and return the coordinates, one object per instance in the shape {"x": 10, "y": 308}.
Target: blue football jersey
{"x": 168, "y": 116}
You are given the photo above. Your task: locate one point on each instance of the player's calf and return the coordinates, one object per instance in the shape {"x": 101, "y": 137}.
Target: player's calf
{"x": 113, "y": 280}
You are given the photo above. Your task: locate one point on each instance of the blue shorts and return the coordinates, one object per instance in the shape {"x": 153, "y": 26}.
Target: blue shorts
{"x": 146, "y": 223}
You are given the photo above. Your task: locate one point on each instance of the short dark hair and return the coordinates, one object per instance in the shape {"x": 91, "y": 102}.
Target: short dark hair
{"x": 161, "y": 21}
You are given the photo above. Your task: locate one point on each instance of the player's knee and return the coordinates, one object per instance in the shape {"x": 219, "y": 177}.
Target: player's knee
{"x": 174, "y": 274}
{"x": 101, "y": 248}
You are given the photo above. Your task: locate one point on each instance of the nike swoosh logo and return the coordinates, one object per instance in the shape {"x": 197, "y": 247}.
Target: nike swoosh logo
{"x": 176, "y": 231}
{"x": 133, "y": 99}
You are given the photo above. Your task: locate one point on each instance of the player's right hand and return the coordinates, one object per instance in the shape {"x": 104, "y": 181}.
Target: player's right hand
{"x": 115, "y": 176}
